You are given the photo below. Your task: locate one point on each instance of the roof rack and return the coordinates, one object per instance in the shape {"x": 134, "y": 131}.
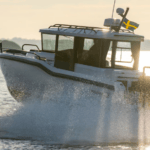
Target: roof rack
{"x": 67, "y": 26}
{"x": 95, "y": 29}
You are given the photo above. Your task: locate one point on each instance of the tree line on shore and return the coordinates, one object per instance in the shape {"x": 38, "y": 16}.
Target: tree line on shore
{"x": 18, "y": 42}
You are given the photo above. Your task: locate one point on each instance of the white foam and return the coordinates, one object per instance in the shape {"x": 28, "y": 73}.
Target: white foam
{"x": 87, "y": 121}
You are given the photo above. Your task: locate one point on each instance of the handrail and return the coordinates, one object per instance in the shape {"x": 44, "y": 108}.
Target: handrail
{"x": 30, "y": 45}
{"x": 145, "y": 68}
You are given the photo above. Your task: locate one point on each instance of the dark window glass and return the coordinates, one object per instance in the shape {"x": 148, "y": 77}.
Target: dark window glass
{"x": 88, "y": 51}
{"x": 88, "y": 43}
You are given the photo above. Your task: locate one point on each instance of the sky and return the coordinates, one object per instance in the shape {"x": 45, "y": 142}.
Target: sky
{"x": 24, "y": 18}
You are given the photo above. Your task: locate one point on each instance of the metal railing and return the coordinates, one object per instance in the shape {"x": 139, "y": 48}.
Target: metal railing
{"x": 145, "y": 68}
{"x": 30, "y": 45}
{"x": 75, "y": 27}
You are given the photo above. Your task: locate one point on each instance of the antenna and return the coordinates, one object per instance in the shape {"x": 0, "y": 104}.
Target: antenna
{"x": 113, "y": 9}
{"x": 113, "y": 13}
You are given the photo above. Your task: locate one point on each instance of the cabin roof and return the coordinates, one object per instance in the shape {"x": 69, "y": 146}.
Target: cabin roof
{"x": 92, "y": 32}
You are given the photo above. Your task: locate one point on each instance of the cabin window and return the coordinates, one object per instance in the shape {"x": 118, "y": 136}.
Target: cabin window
{"x": 65, "y": 43}
{"x": 88, "y": 51}
{"x": 64, "y": 53}
{"x": 123, "y": 52}
{"x": 48, "y": 42}
{"x": 88, "y": 43}
{"x": 123, "y": 57}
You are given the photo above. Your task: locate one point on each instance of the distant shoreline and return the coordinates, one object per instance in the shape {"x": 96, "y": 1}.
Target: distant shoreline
{"x": 145, "y": 46}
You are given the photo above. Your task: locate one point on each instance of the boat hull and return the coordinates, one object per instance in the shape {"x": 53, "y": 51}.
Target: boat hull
{"x": 28, "y": 82}
{"x": 95, "y": 114}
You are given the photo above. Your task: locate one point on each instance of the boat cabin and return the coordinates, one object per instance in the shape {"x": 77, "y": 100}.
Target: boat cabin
{"x": 92, "y": 46}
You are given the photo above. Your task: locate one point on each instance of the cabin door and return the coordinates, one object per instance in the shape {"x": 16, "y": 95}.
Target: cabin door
{"x": 64, "y": 52}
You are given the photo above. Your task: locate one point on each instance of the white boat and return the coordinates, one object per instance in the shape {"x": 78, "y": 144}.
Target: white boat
{"x": 82, "y": 59}
{"x": 83, "y": 72}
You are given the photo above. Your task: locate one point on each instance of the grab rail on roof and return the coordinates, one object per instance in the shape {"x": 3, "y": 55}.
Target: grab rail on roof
{"x": 77, "y": 27}
{"x": 95, "y": 29}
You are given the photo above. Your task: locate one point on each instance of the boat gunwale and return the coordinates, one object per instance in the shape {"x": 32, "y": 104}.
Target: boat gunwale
{"x": 56, "y": 74}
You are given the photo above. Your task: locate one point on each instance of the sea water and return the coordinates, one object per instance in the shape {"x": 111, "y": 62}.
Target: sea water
{"x": 30, "y": 126}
